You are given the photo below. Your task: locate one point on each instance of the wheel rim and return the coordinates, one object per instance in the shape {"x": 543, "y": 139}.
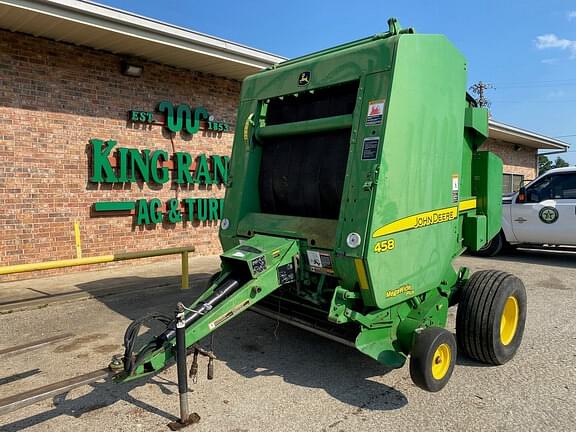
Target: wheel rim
{"x": 509, "y": 320}
{"x": 441, "y": 361}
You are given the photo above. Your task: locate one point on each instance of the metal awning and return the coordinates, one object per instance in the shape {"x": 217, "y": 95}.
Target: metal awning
{"x": 97, "y": 26}
{"x": 511, "y": 134}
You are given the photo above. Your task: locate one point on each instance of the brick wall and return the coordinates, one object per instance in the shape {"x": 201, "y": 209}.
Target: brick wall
{"x": 517, "y": 159}
{"x": 54, "y": 98}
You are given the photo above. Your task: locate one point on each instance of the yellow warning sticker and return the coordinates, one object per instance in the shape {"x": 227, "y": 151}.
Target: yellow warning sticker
{"x": 247, "y": 124}
{"x": 222, "y": 319}
{"x": 419, "y": 220}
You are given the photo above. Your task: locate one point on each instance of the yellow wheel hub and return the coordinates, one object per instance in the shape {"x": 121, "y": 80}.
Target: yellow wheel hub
{"x": 509, "y": 320}
{"x": 441, "y": 361}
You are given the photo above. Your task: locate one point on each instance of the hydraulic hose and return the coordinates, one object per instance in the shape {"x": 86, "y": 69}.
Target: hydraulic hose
{"x": 222, "y": 292}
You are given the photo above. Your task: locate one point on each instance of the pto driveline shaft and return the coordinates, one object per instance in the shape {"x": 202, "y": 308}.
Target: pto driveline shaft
{"x": 219, "y": 294}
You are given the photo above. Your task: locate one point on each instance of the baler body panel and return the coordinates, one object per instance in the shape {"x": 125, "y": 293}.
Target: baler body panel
{"x": 415, "y": 206}
{"x": 354, "y": 182}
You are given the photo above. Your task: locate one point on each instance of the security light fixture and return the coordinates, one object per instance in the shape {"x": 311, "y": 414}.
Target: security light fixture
{"x": 131, "y": 69}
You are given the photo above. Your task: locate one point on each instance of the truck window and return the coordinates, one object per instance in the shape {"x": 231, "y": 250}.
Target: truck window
{"x": 539, "y": 191}
{"x": 557, "y": 186}
{"x": 565, "y": 186}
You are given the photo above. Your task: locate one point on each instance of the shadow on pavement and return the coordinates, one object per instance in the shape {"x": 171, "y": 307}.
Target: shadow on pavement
{"x": 250, "y": 345}
{"x": 542, "y": 257}
{"x": 102, "y": 395}
{"x": 254, "y": 346}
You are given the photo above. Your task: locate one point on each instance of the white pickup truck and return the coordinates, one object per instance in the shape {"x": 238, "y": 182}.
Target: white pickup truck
{"x": 542, "y": 213}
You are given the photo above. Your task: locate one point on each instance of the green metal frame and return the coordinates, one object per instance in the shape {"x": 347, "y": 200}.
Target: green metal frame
{"x": 426, "y": 196}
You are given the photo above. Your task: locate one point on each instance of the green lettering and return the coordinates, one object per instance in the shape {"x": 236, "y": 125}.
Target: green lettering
{"x": 123, "y": 174}
{"x": 141, "y": 161}
{"x": 221, "y": 208}
{"x": 174, "y": 213}
{"x": 155, "y": 213}
{"x": 134, "y": 116}
{"x": 189, "y": 203}
{"x": 102, "y": 171}
{"x": 202, "y": 171}
{"x": 154, "y": 170}
{"x": 220, "y": 165}
{"x": 142, "y": 213}
{"x": 202, "y": 209}
{"x": 213, "y": 212}
{"x": 183, "y": 162}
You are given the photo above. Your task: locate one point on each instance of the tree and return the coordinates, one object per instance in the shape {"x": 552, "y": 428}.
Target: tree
{"x": 560, "y": 163}
{"x": 545, "y": 164}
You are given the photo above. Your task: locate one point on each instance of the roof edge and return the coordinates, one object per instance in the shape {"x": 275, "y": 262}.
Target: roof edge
{"x": 86, "y": 12}
{"x": 523, "y": 133}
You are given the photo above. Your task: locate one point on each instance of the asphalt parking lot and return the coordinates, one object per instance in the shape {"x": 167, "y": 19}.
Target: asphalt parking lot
{"x": 275, "y": 377}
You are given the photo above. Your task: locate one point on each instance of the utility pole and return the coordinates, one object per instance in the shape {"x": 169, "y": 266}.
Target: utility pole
{"x": 478, "y": 89}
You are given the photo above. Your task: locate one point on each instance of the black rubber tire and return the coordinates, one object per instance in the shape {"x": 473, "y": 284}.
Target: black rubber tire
{"x": 492, "y": 247}
{"x": 426, "y": 343}
{"x": 482, "y": 301}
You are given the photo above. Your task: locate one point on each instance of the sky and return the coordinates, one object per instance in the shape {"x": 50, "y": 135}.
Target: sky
{"x": 525, "y": 48}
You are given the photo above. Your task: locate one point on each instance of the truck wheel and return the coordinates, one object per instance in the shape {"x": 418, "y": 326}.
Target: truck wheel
{"x": 432, "y": 358}
{"x": 491, "y": 317}
{"x": 492, "y": 247}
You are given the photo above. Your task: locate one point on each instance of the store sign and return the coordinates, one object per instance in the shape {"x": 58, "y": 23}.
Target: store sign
{"x": 128, "y": 165}
{"x": 181, "y": 118}
{"x": 112, "y": 164}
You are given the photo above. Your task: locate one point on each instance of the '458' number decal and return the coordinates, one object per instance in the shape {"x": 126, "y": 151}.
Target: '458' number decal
{"x": 384, "y": 245}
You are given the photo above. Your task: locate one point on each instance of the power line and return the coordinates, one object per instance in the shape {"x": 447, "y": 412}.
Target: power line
{"x": 479, "y": 88}
{"x": 570, "y": 81}
{"x": 541, "y": 101}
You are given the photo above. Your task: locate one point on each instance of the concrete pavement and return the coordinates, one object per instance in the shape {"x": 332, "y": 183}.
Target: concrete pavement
{"x": 271, "y": 376}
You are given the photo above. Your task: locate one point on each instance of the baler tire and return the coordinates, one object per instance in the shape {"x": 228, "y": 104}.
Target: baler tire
{"x": 433, "y": 358}
{"x": 491, "y": 317}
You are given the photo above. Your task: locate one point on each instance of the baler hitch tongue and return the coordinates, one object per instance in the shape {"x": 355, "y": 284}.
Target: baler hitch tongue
{"x": 249, "y": 273}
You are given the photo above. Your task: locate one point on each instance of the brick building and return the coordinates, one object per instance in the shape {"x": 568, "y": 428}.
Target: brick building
{"x": 65, "y": 68}
{"x": 518, "y": 149}
{"x": 83, "y": 139}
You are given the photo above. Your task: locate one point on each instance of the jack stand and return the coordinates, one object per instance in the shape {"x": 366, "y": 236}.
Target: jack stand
{"x": 186, "y": 418}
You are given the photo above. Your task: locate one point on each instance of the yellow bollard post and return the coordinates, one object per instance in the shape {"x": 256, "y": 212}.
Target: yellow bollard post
{"x": 185, "y": 283}
{"x": 77, "y": 238}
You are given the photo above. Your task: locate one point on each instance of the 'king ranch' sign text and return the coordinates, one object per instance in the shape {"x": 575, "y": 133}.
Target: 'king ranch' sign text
{"x": 126, "y": 165}
{"x": 110, "y": 163}
{"x": 113, "y": 164}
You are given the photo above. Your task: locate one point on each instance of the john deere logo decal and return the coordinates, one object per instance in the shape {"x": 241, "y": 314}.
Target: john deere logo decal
{"x": 548, "y": 215}
{"x": 304, "y": 78}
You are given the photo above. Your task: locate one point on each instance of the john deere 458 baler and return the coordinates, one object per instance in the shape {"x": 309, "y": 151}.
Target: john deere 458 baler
{"x": 355, "y": 181}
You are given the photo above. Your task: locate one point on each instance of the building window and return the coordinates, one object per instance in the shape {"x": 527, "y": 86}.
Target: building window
{"x": 511, "y": 183}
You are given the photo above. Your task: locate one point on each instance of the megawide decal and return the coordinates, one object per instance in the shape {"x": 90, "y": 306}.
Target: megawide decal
{"x": 404, "y": 289}
{"x": 419, "y": 220}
